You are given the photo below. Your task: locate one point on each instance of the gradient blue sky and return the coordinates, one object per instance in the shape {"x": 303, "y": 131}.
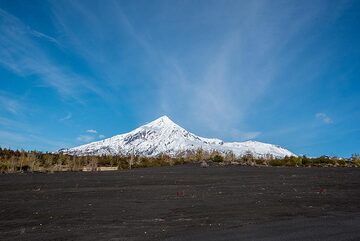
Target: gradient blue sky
{"x": 284, "y": 72}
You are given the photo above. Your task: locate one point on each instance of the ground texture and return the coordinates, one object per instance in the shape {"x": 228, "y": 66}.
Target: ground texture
{"x": 183, "y": 203}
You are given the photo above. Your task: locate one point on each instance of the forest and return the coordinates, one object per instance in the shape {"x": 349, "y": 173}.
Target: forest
{"x": 35, "y": 161}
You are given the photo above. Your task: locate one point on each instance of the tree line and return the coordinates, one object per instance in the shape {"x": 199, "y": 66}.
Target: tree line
{"x": 35, "y": 161}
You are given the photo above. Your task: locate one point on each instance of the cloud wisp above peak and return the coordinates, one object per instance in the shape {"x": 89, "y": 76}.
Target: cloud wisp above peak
{"x": 91, "y": 135}
{"x": 91, "y": 131}
{"x": 220, "y": 84}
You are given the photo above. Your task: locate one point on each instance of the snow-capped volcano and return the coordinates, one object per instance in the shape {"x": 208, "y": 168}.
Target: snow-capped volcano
{"x": 163, "y": 136}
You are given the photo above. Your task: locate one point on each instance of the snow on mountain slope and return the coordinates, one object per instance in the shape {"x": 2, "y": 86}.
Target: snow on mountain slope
{"x": 163, "y": 136}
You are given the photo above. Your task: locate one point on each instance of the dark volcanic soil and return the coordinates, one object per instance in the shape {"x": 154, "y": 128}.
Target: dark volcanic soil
{"x": 183, "y": 203}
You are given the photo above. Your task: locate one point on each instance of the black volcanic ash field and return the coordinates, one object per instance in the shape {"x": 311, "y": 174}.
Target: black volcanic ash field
{"x": 183, "y": 203}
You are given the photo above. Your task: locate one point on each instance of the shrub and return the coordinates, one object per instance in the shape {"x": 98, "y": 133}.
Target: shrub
{"x": 292, "y": 161}
{"x": 276, "y": 162}
{"x": 357, "y": 163}
{"x": 179, "y": 161}
{"x": 341, "y": 163}
{"x": 5, "y": 167}
{"x": 261, "y": 162}
{"x": 217, "y": 158}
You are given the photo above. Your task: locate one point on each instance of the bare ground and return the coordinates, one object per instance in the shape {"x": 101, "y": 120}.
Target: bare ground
{"x": 183, "y": 203}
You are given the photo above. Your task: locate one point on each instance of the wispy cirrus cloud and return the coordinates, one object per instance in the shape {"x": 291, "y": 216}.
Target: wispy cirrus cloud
{"x": 324, "y": 118}
{"x": 44, "y": 36}
{"x": 91, "y": 131}
{"x": 9, "y": 103}
{"x": 77, "y": 21}
{"x": 218, "y": 89}
{"x": 213, "y": 85}
{"x": 65, "y": 118}
{"x": 17, "y": 139}
{"x": 20, "y": 134}
{"x": 22, "y": 54}
{"x": 85, "y": 138}
{"x": 248, "y": 135}
{"x": 91, "y": 135}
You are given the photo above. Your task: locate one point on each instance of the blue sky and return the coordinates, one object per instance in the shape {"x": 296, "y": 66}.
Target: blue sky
{"x": 283, "y": 72}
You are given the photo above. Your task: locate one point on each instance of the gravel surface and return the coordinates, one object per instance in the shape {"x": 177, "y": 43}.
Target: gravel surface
{"x": 183, "y": 203}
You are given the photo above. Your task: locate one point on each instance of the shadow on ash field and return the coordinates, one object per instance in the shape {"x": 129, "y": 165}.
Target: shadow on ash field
{"x": 183, "y": 203}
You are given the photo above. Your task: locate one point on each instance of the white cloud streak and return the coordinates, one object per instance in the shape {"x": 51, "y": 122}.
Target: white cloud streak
{"x": 91, "y": 135}
{"x": 220, "y": 92}
{"x": 18, "y": 134}
{"x": 22, "y": 54}
{"x": 213, "y": 87}
{"x": 248, "y": 135}
{"x": 10, "y": 104}
{"x": 65, "y": 118}
{"x": 324, "y": 118}
{"x": 91, "y": 131}
{"x": 85, "y": 138}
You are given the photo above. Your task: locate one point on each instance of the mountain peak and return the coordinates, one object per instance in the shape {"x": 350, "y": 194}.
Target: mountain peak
{"x": 163, "y": 136}
{"x": 162, "y": 121}
{"x": 164, "y": 118}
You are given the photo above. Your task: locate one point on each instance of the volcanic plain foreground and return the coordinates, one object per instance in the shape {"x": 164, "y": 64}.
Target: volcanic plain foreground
{"x": 183, "y": 203}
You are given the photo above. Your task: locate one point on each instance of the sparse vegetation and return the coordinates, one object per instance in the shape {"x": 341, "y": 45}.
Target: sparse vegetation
{"x": 23, "y": 161}
{"x": 356, "y": 159}
{"x": 217, "y": 157}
